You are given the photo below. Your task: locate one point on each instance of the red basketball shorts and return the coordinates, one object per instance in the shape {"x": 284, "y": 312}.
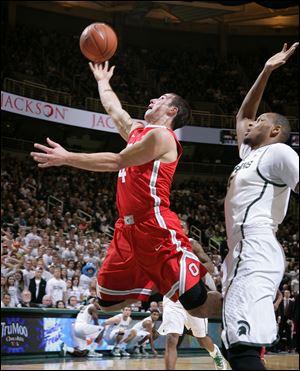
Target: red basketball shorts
{"x": 150, "y": 253}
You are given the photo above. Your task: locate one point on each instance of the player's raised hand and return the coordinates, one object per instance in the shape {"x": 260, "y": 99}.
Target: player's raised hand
{"x": 102, "y": 71}
{"x": 280, "y": 58}
{"x": 54, "y": 155}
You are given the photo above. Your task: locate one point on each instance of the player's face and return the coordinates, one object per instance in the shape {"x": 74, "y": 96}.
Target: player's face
{"x": 158, "y": 107}
{"x": 126, "y": 312}
{"x": 259, "y": 130}
{"x": 155, "y": 316}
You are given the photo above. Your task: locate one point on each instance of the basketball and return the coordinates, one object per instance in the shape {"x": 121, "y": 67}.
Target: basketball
{"x": 98, "y": 42}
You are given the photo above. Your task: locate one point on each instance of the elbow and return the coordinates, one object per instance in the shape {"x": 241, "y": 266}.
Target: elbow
{"x": 109, "y": 108}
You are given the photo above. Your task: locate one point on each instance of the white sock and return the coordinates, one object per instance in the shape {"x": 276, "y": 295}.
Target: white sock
{"x": 214, "y": 352}
{"x": 93, "y": 346}
{"x": 70, "y": 349}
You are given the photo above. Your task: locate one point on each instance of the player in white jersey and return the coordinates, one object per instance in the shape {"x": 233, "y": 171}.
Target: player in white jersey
{"x": 175, "y": 317}
{"x": 118, "y": 333}
{"x": 255, "y": 204}
{"x": 144, "y": 331}
{"x": 87, "y": 332}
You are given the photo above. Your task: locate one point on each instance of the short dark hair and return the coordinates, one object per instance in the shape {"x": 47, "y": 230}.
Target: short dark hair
{"x": 154, "y": 311}
{"x": 285, "y": 126}
{"x": 184, "y": 114}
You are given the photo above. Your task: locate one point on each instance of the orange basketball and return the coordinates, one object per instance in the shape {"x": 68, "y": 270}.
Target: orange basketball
{"x": 98, "y": 42}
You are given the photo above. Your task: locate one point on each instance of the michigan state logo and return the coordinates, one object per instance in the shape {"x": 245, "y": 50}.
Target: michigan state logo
{"x": 244, "y": 328}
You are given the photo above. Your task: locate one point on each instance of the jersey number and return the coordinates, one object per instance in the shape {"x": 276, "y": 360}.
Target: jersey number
{"x": 122, "y": 174}
{"x": 194, "y": 269}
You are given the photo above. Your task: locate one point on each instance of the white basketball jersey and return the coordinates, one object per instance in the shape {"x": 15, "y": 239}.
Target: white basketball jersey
{"x": 259, "y": 188}
{"x": 139, "y": 326}
{"x": 83, "y": 316}
{"x": 124, "y": 323}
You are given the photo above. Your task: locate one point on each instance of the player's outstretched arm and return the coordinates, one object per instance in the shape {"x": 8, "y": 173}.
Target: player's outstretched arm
{"x": 249, "y": 107}
{"x": 110, "y": 101}
{"x": 156, "y": 144}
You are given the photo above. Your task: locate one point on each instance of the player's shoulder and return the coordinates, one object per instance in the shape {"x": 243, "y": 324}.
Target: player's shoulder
{"x": 160, "y": 134}
{"x": 280, "y": 147}
{"x": 280, "y": 150}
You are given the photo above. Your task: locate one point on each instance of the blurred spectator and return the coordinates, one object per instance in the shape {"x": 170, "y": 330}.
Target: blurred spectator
{"x": 25, "y": 301}
{"x": 37, "y": 287}
{"x": 286, "y": 310}
{"x": 12, "y": 290}
{"x": 60, "y": 304}
{"x": 56, "y": 287}
{"x": 6, "y": 301}
{"x": 46, "y": 302}
{"x": 73, "y": 303}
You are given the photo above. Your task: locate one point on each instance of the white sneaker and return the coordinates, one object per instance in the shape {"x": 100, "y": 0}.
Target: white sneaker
{"x": 219, "y": 360}
{"x": 93, "y": 354}
{"x": 124, "y": 353}
{"x": 116, "y": 352}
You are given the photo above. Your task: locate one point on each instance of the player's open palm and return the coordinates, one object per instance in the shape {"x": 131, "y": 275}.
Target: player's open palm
{"x": 280, "y": 58}
{"x": 54, "y": 155}
{"x": 102, "y": 71}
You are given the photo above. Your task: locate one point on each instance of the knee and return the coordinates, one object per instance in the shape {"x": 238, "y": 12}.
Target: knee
{"x": 172, "y": 340}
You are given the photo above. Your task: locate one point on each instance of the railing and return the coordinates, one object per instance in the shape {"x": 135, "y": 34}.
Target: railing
{"x": 82, "y": 215}
{"x": 54, "y": 201}
{"x": 196, "y": 233}
{"x": 41, "y": 92}
{"x": 24, "y": 147}
{"x": 37, "y": 91}
{"x": 110, "y": 232}
{"x": 214, "y": 245}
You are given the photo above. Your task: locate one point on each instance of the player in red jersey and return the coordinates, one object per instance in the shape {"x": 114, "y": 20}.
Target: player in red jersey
{"x": 149, "y": 246}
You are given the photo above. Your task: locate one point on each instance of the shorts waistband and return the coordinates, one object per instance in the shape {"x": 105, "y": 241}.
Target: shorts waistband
{"x": 135, "y": 219}
{"x": 237, "y": 237}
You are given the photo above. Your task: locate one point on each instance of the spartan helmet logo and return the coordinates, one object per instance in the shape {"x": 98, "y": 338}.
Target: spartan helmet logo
{"x": 244, "y": 328}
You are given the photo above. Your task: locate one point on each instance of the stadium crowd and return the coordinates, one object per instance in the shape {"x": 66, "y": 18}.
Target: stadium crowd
{"x": 56, "y": 224}
{"x": 142, "y": 73}
{"x": 52, "y": 250}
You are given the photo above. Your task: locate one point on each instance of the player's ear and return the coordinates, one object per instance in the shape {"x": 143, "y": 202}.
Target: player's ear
{"x": 276, "y": 130}
{"x": 172, "y": 112}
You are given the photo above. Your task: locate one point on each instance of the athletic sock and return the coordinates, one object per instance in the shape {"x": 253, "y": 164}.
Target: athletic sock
{"x": 214, "y": 352}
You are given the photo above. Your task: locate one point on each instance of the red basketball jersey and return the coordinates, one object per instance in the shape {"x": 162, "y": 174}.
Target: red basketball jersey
{"x": 145, "y": 190}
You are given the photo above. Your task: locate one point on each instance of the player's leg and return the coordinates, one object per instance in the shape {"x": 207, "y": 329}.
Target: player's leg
{"x": 90, "y": 333}
{"x": 199, "y": 328}
{"x": 120, "y": 280}
{"x": 250, "y": 287}
{"x": 177, "y": 270}
{"x": 245, "y": 358}
{"x": 171, "y": 351}
{"x": 200, "y": 303}
{"x": 126, "y": 338}
{"x": 214, "y": 351}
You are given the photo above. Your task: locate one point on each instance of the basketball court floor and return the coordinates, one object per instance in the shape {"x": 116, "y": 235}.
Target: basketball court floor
{"x": 273, "y": 362}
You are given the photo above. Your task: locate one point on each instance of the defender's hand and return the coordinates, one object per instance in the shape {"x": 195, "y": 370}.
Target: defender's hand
{"x": 280, "y": 58}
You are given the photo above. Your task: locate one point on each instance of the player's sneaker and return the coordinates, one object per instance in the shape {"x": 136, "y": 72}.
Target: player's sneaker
{"x": 136, "y": 351}
{"x": 143, "y": 351}
{"x": 116, "y": 352}
{"x": 94, "y": 354}
{"x": 124, "y": 353}
{"x": 219, "y": 360}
